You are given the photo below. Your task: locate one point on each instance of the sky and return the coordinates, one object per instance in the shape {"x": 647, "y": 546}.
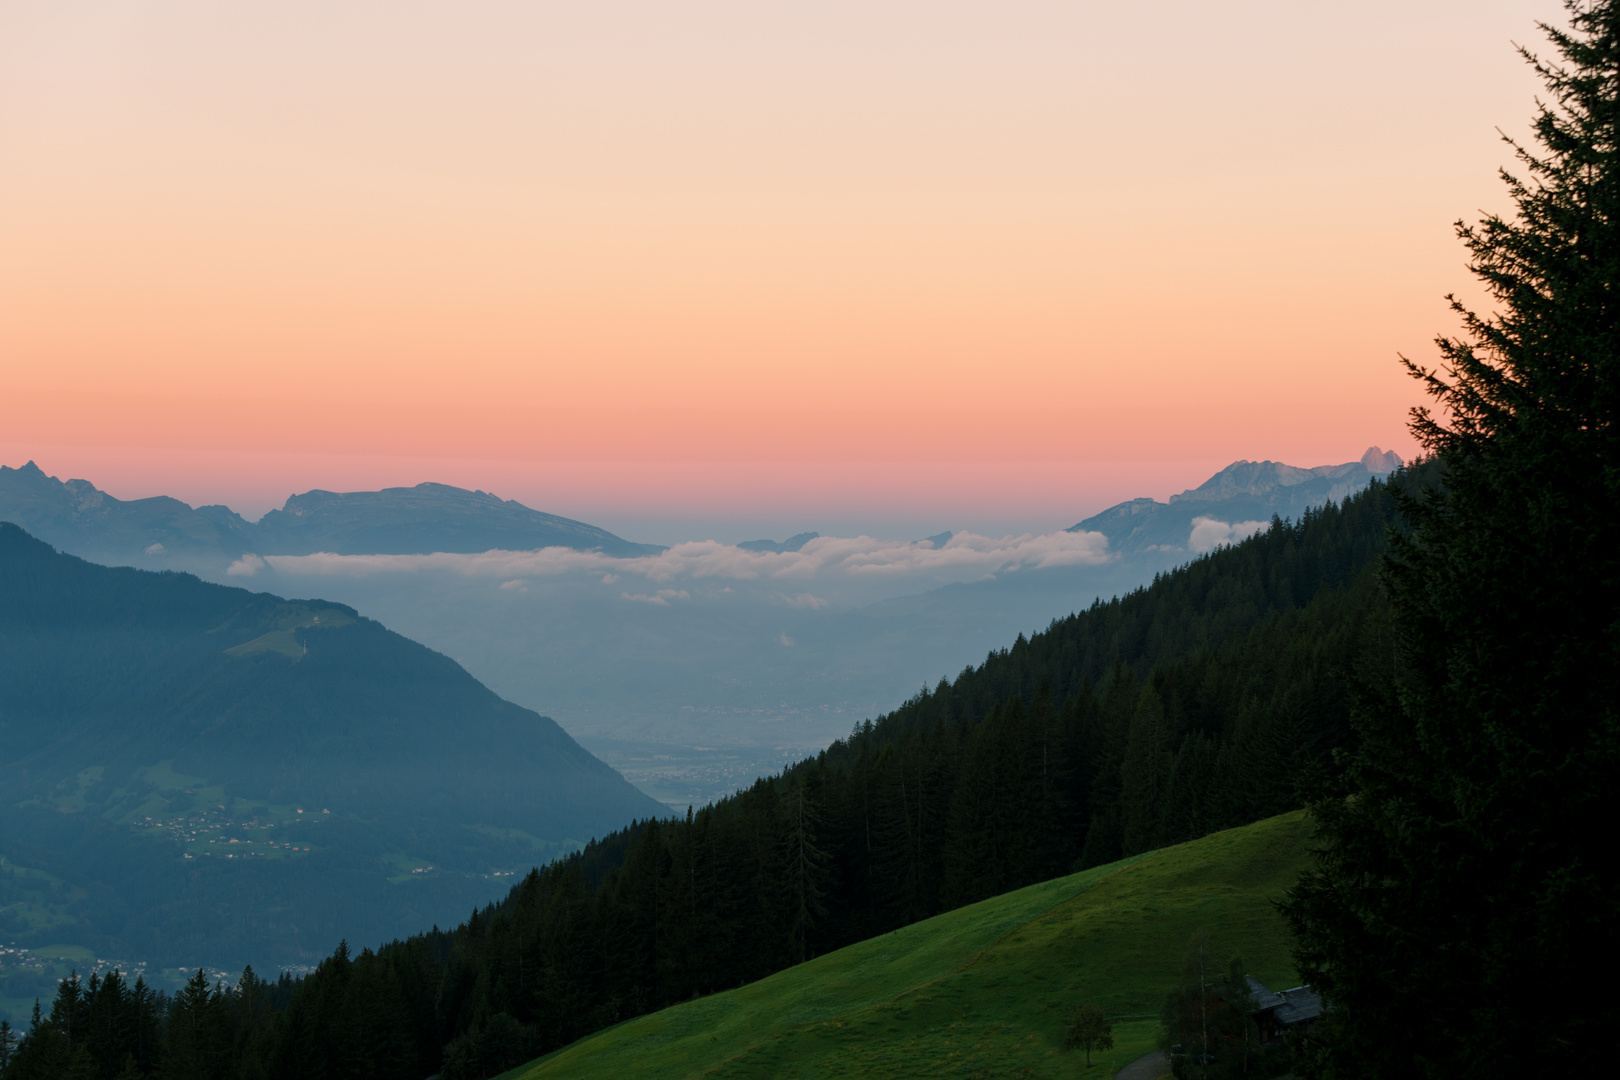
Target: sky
{"x": 724, "y": 270}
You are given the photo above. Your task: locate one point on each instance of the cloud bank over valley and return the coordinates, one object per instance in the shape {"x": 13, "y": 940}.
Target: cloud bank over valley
{"x": 826, "y": 571}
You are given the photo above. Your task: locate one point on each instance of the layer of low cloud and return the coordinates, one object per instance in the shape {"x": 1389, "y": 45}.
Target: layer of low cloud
{"x": 803, "y": 600}
{"x": 246, "y": 566}
{"x": 662, "y": 597}
{"x": 825, "y": 572}
{"x": 966, "y": 556}
{"x": 1210, "y": 533}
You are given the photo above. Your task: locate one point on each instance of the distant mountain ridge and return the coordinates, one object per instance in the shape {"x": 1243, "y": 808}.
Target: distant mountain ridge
{"x": 1243, "y": 493}
{"x": 423, "y": 519}
{"x": 791, "y": 544}
{"x": 162, "y": 532}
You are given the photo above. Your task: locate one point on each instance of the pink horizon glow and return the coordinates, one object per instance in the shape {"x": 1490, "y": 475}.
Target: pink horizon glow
{"x": 721, "y": 265}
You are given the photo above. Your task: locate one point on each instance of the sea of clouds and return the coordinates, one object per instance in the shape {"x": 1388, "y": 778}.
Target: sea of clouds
{"x": 709, "y": 645}
{"x": 827, "y": 571}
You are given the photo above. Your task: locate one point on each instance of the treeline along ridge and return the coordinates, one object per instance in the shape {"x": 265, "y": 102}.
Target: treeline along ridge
{"x": 1190, "y": 705}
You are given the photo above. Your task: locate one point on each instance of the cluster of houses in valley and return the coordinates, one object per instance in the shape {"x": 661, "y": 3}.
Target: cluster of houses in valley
{"x": 208, "y": 832}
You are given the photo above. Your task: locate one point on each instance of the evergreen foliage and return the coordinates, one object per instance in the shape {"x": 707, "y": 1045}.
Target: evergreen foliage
{"x": 1465, "y": 883}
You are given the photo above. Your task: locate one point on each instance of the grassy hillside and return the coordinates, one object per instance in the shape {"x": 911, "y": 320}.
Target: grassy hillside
{"x": 985, "y": 989}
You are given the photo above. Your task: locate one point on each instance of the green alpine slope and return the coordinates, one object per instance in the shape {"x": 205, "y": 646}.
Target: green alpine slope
{"x": 986, "y": 989}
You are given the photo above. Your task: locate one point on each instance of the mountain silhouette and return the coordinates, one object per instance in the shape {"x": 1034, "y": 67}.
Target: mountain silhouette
{"x": 1245, "y": 492}
{"x": 164, "y": 533}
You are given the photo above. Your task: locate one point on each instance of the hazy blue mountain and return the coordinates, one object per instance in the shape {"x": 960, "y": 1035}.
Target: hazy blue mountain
{"x": 164, "y": 533}
{"x": 792, "y": 543}
{"x": 140, "y": 712}
{"x": 76, "y": 516}
{"x": 423, "y": 519}
{"x": 1243, "y": 492}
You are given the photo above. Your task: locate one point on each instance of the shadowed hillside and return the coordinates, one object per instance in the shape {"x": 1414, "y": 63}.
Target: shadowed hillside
{"x": 281, "y": 760}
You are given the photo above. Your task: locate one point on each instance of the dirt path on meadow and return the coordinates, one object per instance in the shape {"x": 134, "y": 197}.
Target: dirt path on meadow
{"x": 1150, "y": 1067}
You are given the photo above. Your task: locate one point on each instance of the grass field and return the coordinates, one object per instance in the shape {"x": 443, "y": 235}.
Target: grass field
{"x": 985, "y": 990}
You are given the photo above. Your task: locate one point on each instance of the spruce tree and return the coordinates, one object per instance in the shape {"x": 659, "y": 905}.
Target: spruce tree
{"x": 807, "y": 865}
{"x": 1144, "y": 774}
{"x": 191, "y": 1046}
{"x": 1464, "y": 881}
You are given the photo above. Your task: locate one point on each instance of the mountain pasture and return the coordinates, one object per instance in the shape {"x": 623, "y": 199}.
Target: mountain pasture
{"x": 986, "y": 989}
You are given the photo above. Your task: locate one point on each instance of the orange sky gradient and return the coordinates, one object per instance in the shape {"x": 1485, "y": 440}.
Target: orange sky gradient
{"x": 674, "y": 267}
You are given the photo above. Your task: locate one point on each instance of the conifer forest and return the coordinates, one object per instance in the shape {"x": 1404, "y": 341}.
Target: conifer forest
{"x": 1187, "y": 706}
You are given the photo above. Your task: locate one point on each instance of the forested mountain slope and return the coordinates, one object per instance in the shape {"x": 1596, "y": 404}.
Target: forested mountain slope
{"x": 1187, "y": 706}
{"x": 982, "y": 990}
{"x": 1191, "y": 705}
{"x": 987, "y": 988}
{"x": 219, "y": 774}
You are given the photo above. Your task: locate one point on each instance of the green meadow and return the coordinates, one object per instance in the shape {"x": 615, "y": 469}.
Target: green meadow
{"x": 984, "y": 990}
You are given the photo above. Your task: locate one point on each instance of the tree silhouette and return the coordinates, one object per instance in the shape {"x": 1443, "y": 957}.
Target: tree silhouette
{"x": 1463, "y": 866}
{"x": 1089, "y": 1030}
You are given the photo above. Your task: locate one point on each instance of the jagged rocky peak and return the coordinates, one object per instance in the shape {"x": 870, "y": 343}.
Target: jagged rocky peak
{"x": 1244, "y": 491}
{"x": 1378, "y": 461}
{"x": 1255, "y": 479}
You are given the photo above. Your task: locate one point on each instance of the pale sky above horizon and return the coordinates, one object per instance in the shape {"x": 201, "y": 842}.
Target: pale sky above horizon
{"x": 671, "y": 268}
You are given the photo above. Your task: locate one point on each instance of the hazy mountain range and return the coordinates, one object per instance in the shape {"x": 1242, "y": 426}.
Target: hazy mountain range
{"x": 160, "y": 533}
{"x": 172, "y": 749}
{"x": 696, "y": 668}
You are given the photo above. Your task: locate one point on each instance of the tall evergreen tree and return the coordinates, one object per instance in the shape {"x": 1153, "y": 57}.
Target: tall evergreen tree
{"x": 143, "y": 1026}
{"x": 1465, "y": 865}
{"x": 807, "y": 864}
{"x": 1144, "y": 774}
{"x": 194, "y": 1047}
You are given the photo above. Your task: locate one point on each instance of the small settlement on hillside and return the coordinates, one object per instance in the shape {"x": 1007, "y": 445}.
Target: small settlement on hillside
{"x": 1275, "y": 1012}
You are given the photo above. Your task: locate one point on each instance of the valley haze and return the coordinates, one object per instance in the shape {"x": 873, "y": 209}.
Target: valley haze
{"x": 692, "y": 668}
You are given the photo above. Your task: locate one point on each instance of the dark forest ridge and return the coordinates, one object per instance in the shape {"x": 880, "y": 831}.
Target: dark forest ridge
{"x": 1192, "y": 705}
{"x": 985, "y": 989}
